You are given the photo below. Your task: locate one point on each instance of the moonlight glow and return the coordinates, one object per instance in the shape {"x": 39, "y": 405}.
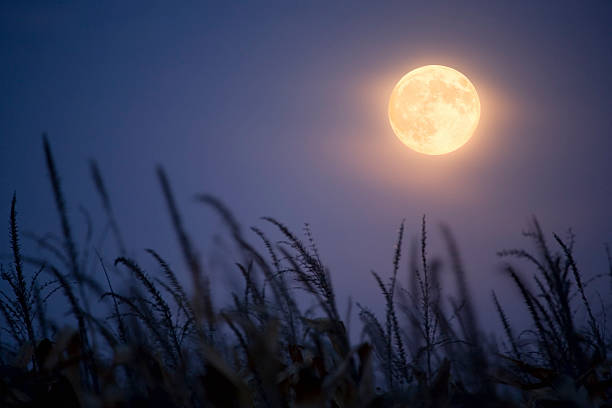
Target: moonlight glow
{"x": 434, "y": 109}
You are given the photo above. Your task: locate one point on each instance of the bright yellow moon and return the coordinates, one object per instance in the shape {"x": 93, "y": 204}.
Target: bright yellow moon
{"x": 434, "y": 109}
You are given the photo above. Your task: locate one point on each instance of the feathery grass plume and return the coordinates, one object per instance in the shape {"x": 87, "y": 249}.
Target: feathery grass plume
{"x": 183, "y": 318}
{"x": 552, "y": 333}
{"x": 259, "y": 301}
{"x": 69, "y": 247}
{"x": 567, "y": 250}
{"x": 249, "y": 253}
{"x": 149, "y": 314}
{"x": 90, "y": 375}
{"x": 377, "y": 335}
{"x": 410, "y": 296}
{"x": 311, "y": 243}
{"x": 271, "y": 251}
{"x": 106, "y": 204}
{"x": 387, "y": 333}
{"x": 200, "y": 280}
{"x": 392, "y": 333}
{"x": 176, "y": 289}
{"x": 18, "y": 283}
{"x": 552, "y": 315}
{"x": 424, "y": 311}
{"x": 302, "y": 277}
{"x": 552, "y": 322}
{"x": 392, "y": 314}
{"x": 139, "y": 309}
{"x": 424, "y": 283}
{"x": 506, "y": 324}
{"x": 528, "y": 298}
{"x": 334, "y": 328}
{"x": 10, "y": 314}
{"x": 331, "y": 326}
{"x": 161, "y": 305}
{"x": 560, "y": 287}
{"x": 288, "y": 304}
{"x": 312, "y": 273}
{"x": 60, "y": 203}
{"x": 555, "y": 288}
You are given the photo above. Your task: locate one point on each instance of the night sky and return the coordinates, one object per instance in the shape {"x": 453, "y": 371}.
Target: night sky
{"x": 281, "y": 110}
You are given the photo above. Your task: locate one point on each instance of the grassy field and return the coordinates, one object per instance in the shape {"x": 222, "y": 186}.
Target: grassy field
{"x": 156, "y": 343}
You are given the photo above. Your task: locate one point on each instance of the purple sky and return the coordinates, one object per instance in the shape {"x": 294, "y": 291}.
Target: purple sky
{"x": 280, "y": 110}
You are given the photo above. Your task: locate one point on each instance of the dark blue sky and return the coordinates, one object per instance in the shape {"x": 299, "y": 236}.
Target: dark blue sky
{"x": 280, "y": 109}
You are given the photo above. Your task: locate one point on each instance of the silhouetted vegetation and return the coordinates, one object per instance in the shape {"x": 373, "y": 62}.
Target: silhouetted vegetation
{"x": 154, "y": 342}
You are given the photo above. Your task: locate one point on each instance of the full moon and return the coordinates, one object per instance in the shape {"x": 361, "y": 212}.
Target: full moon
{"x": 434, "y": 109}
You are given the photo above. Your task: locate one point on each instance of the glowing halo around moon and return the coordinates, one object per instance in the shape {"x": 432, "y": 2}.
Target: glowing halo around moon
{"x": 434, "y": 109}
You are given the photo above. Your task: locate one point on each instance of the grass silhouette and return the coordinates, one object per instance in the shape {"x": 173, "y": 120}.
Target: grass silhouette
{"x": 163, "y": 345}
